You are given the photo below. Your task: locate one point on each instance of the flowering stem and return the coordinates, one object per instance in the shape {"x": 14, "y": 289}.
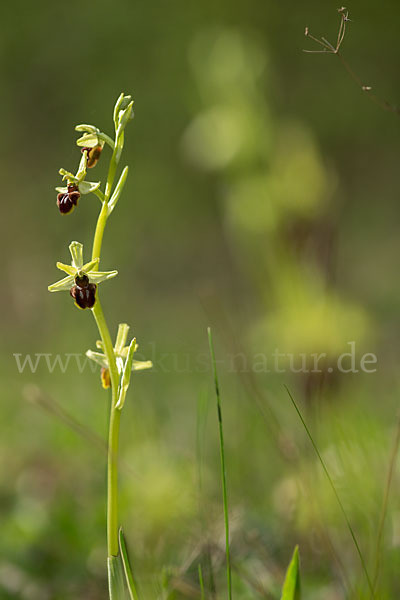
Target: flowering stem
{"x": 98, "y": 236}
{"x": 113, "y": 166}
{"x": 113, "y": 434}
{"x": 115, "y": 414}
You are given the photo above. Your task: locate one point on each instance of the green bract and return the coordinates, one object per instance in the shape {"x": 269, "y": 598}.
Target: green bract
{"x": 77, "y": 267}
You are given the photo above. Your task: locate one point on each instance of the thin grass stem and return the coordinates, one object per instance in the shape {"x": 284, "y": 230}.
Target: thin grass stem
{"x": 324, "y": 467}
{"x": 389, "y": 478}
{"x": 223, "y": 468}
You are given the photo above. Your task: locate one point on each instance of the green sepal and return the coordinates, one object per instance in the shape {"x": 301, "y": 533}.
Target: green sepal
{"x": 87, "y": 187}
{"x": 87, "y": 128}
{"x": 291, "y": 586}
{"x": 76, "y": 251}
{"x": 122, "y": 336}
{"x": 63, "y": 285}
{"x": 99, "y": 276}
{"x": 88, "y": 140}
{"x": 141, "y": 365}
{"x": 117, "y": 191}
{"x": 97, "y": 357}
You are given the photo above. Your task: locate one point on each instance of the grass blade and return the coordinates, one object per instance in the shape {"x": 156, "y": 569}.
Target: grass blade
{"x": 127, "y": 567}
{"x": 223, "y": 469}
{"x": 291, "y": 586}
{"x": 202, "y": 596}
{"x": 350, "y": 528}
{"x": 116, "y": 579}
{"x": 389, "y": 478}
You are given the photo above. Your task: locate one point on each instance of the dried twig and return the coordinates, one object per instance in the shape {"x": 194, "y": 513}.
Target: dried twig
{"x": 329, "y": 48}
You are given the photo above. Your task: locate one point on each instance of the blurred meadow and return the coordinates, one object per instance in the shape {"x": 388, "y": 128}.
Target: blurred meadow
{"x": 263, "y": 201}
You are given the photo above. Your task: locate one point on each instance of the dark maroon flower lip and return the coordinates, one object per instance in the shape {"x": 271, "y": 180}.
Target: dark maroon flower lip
{"x": 65, "y": 204}
{"x": 83, "y": 292}
{"x": 68, "y": 200}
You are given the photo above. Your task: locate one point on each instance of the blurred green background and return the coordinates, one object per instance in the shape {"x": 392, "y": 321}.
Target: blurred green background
{"x": 262, "y": 200}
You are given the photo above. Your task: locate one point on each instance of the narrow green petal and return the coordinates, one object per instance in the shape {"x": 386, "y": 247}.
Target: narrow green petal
{"x": 126, "y": 375}
{"x": 66, "y": 268}
{"x": 99, "y": 276}
{"x": 62, "y": 285}
{"x": 141, "y": 365}
{"x": 67, "y": 175}
{"x": 122, "y": 336}
{"x": 98, "y": 358}
{"x": 76, "y": 249}
{"x": 61, "y": 190}
{"x": 90, "y": 265}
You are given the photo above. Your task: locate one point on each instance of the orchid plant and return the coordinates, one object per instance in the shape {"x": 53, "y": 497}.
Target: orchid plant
{"x": 82, "y": 279}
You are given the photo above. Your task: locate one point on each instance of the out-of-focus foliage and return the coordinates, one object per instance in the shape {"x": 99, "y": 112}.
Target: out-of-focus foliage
{"x": 262, "y": 199}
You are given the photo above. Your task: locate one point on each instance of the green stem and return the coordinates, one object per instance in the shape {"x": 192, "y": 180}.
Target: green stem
{"x": 106, "y": 138}
{"x": 98, "y": 235}
{"x": 112, "y": 483}
{"x": 115, "y": 414}
{"x": 113, "y": 434}
{"x": 119, "y": 141}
